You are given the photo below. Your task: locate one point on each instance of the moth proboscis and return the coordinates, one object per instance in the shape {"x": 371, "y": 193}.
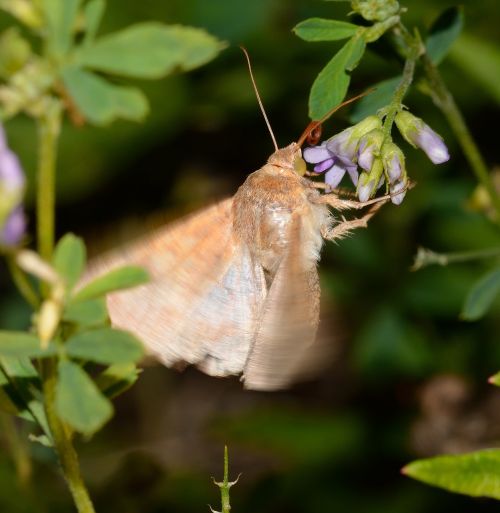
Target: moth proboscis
{"x": 234, "y": 287}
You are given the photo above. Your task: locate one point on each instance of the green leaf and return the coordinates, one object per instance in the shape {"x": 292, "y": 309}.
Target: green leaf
{"x": 319, "y": 29}
{"x": 106, "y": 346}
{"x": 87, "y": 313}
{"x": 150, "y": 50}
{"x": 118, "y": 279}
{"x": 444, "y": 32}
{"x": 69, "y": 258}
{"x": 78, "y": 400}
{"x": 21, "y": 344}
{"x": 375, "y": 100}
{"x": 93, "y": 12}
{"x": 330, "y": 86}
{"x": 480, "y": 60}
{"x": 495, "y": 379}
{"x": 117, "y": 378}
{"x": 61, "y": 17}
{"x": 102, "y": 102}
{"x": 481, "y": 296}
{"x": 476, "y": 474}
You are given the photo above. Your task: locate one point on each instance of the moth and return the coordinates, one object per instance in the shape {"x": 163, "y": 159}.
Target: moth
{"x": 234, "y": 287}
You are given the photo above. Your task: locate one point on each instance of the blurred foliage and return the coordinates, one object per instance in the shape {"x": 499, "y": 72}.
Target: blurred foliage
{"x": 337, "y": 443}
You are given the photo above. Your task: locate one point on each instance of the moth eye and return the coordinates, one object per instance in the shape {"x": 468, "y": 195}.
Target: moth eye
{"x": 299, "y": 165}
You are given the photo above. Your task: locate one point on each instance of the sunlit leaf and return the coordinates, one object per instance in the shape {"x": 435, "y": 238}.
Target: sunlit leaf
{"x": 78, "y": 400}
{"x": 481, "y": 296}
{"x": 106, "y": 346}
{"x": 93, "y": 13}
{"x": 87, "y": 313}
{"x": 319, "y": 29}
{"x": 69, "y": 258}
{"x": 60, "y": 16}
{"x": 444, "y": 32}
{"x": 102, "y": 102}
{"x": 476, "y": 474}
{"x": 375, "y": 100}
{"x": 330, "y": 86}
{"x": 118, "y": 279}
{"x": 150, "y": 50}
{"x": 21, "y": 344}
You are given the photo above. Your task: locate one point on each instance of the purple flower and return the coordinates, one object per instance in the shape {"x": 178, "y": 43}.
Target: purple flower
{"x": 12, "y": 182}
{"x": 334, "y": 166}
{"x": 422, "y": 136}
{"x": 398, "y": 190}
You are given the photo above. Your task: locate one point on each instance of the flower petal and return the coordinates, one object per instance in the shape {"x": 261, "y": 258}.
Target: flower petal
{"x": 13, "y": 229}
{"x": 398, "y": 192}
{"x": 432, "y": 144}
{"x": 334, "y": 176}
{"x": 324, "y": 166}
{"x": 316, "y": 154}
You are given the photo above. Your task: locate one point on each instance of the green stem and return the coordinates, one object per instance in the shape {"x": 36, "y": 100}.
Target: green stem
{"x": 414, "y": 50}
{"x": 17, "y": 448}
{"x": 427, "y": 257}
{"x": 225, "y": 485}
{"x": 48, "y": 134}
{"x": 444, "y": 100}
{"x": 22, "y": 283}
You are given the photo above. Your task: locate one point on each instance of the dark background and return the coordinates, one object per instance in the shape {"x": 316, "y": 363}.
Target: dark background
{"x": 409, "y": 378}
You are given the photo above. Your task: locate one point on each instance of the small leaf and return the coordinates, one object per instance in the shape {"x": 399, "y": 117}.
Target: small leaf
{"x": 69, "y": 258}
{"x": 476, "y": 474}
{"x": 319, "y": 29}
{"x": 93, "y": 12}
{"x": 118, "y": 279}
{"x": 481, "y": 296}
{"x": 330, "y": 86}
{"x": 102, "y": 102}
{"x": 87, "y": 313}
{"x": 60, "y": 16}
{"x": 21, "y": 344}
{"x": 117, "y": 378}
{"x": 106, "y": 346}
{"x": 444, "y": 32}
{"x": 372, "y": 102}
{"x": 78, "y": 400}
{"x": 495, "y": 379}
{"x": 150, "y": 50}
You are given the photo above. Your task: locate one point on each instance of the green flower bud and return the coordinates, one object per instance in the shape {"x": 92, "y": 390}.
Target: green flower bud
{"x": 375, "y": 10}
{"x": 368, "y": 183}
{"x": 393, "y": 160}
{"x": 14, "y": 52}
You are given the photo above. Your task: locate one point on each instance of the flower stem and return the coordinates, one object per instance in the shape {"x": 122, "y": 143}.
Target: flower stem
{"x": 427, "y": 257}
{"x": 414, "y": 50}
{"x": 18, "y": 449}
{"x": 48, "y": 134}
{"x": 444, "y": 100}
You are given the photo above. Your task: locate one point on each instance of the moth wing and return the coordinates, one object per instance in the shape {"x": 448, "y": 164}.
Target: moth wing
{"x": 284, "y": 349}
{"x": 202, "y": 301}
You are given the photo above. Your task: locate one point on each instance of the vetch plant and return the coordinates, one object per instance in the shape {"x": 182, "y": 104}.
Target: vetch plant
{"x": 62, "y": 373}
{"x": 372, "y": 158}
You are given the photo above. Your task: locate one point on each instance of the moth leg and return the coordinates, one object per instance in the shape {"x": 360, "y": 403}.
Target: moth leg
{"x": 345, "y": 204}
{"x": 345, "y": 227}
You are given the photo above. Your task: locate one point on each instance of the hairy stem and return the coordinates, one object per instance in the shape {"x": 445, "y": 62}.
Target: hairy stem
{"x": 444, "y": 100}
{"x": 48, "y": 134}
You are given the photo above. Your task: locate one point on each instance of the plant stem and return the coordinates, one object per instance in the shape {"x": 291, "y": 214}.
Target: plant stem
{"x": 444, "y": 100}
{"x": 48, "y": 134}
{"x": 22, "y": 283}
{"x": 427, "y": 257}
{"x": 17, "y": 448}
{"x": 224, "y": 486}
{"x": 414, "y": 50}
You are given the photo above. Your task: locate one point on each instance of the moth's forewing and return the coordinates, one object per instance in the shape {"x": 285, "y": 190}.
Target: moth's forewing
{"x": 201, "y": 303}
{"x": 286, "y": 331}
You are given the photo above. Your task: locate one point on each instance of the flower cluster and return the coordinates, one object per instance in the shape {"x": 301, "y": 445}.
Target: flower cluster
{"x": 370, "y": 158}
{"x": 12, "y": 184}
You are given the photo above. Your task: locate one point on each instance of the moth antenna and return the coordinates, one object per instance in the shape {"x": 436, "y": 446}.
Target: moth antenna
{"x": 314, "y": 124}
{"x": 261, "y": 105}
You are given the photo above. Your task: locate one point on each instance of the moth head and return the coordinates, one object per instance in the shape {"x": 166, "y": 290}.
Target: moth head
{"x": 289, "y": 157}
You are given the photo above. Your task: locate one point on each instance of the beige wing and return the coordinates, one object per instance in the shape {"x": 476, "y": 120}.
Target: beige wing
{"x": 285, "y": 349}
{"x": 204, "y": 297}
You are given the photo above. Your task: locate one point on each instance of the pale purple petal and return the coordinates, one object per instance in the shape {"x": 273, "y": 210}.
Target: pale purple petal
{"x": 398, "y": 187}
{"x": 394, "y": 169}
{"x": 324, "y": 166}
{"x": 13, "y": 229}
{"x": 432, "y": 144}
{"x": 353, "y": 174}
{"x": 11, "y": 172}
{"x": 343, "y": 145}
{"x": 316, "y": 154}
{"x": 365, "y": 156}
{"x": 334, "y": 176}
